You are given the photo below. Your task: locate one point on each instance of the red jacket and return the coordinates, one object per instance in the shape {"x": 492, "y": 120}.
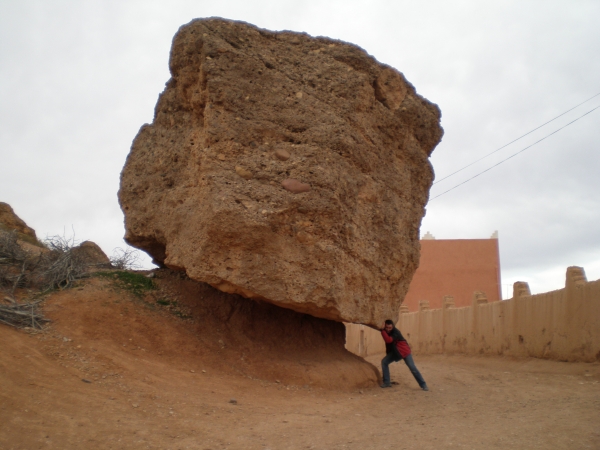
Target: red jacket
{"x": 401, "y": 343}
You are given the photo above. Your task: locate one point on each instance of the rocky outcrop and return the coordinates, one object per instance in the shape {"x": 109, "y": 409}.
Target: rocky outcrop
{"x": 10, "y": 221}
{"x": 90, "y": 254}
{"x": 284, "y": 168}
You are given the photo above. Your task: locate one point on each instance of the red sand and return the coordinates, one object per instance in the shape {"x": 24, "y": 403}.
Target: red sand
{"x": 159, "y": 382}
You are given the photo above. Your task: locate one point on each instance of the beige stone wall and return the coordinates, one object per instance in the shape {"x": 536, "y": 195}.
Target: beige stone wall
{"x": 562, "y": 325}
{"x": 363, "y": 340}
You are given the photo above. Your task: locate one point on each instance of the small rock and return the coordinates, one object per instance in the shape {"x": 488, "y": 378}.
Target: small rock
{"x": 135, "y": 405}
{"x": 204, "y": 371}
{"x": 85, "y": 380}
{"x": 151, "y": 275}
{"x": 299, "y": 94}
{"x": 282, "y": 154}
{"x": 277, "y": 381}
{"x": 244, "y": 173}
{"x": 303, "y": 237}
{"x": 221, "y": 157}
{"x": 233, "y": 401}
{"x": 295, "y": 186}
{"x": 248, "y": 204}
{"x": 193, "y": 371}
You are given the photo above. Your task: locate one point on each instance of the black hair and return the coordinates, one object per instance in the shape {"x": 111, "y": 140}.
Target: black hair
{"x": 389, "y": 322}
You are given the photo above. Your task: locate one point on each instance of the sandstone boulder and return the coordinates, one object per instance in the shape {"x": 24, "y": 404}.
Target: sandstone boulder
{"x": 10, "y": 221}
{"x": 284, "y": 168}
{"x": 91, "y": 254}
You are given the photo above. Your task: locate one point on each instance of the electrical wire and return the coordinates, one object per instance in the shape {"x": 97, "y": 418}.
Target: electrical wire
{"x": 515, "y": 154}
{"x": 515, "y": 140}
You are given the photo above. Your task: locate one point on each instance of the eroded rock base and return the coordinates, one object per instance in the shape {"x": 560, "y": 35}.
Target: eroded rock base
{"x": 268, "y": 342}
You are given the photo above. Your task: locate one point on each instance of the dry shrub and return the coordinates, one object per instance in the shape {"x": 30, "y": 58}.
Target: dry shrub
{"x": 61, "y": 265}
{"x": 21, "y": 315}
{"x": 18, "y": 268}
{"x": 125, "y": 259}
{"x": 55, "y": 268}
{"x": 16, "y": 264}
{"x": 10, "y": 250}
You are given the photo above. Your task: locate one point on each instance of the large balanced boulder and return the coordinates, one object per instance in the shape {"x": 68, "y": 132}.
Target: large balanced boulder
{"x": 284, "y": 168}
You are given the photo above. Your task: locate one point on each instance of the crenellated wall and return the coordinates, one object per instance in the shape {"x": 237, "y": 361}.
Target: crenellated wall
{"x": 562, "y": 325}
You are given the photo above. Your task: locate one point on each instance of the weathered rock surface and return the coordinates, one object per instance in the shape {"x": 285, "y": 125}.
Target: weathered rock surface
{"x": 91, "y": 254}
{"x": 10, "y": 221}
{"x": 284, "y": 168}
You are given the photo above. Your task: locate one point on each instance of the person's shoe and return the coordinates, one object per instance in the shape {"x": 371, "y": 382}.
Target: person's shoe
{"x": 384, "y": 385}
{"x": 425, "y": 388}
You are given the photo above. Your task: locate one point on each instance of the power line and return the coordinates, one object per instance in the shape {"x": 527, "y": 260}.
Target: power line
{"x": 515, "y": 140}
{"x": 515, "y": 154}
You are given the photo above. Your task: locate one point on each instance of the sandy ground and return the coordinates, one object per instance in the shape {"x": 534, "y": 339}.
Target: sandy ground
{"x": 68, "y": 389}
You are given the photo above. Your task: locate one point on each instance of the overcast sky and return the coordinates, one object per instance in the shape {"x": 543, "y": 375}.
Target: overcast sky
{"x": 79, "y": 78}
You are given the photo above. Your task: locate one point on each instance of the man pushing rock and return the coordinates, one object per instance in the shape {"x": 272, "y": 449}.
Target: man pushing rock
{"x": 396, "y": 349}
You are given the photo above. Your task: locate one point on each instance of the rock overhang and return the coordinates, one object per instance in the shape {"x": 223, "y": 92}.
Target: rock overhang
{"x": 284, "y": 168}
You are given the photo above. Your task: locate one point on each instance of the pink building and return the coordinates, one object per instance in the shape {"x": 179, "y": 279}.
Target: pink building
{"x": 455, "y": 267}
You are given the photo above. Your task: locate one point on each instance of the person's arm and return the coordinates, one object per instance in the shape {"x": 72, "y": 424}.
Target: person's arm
{"x": 386, "y": 337}
{"x": 396, "y": 335}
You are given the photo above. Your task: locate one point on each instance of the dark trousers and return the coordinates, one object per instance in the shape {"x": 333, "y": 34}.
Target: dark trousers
{"x": 385, "y": 368}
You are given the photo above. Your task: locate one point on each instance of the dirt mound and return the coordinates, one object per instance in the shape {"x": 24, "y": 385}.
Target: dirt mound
{"x": 134, "y": 398}
{"x": 285, "y": 168}
{"x": 196, "y": 326}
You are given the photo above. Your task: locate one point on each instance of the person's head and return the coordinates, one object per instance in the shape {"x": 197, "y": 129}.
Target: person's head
{"x": 389, "y": 325}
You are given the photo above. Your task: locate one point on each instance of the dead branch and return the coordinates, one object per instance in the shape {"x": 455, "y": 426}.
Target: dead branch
{"x": 125, "y": 259}
{"x": 10, "y": 250}
{"x": 61, "y": 266}
{"x": 22, "y": 315}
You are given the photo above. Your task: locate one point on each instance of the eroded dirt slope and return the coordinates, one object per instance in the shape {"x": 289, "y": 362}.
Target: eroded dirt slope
{"x": 154, "y": 382}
